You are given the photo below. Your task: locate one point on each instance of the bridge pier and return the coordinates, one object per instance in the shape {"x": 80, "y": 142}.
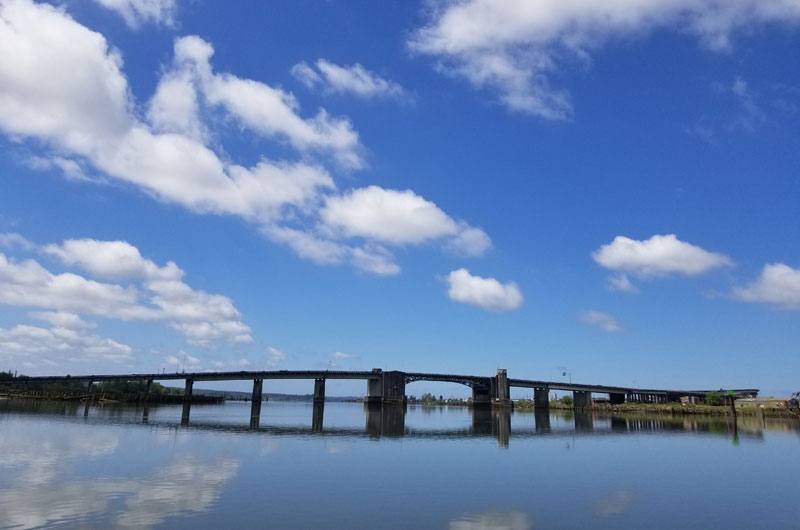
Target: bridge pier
{"x": 319, "y": 390}
{"x": 581, "y": 399}
{"x": 541, "y": 398}
{"x": 501, "y": 390}
{"x": 255, "y": 404}
{"x": 481, "y": 397}
{"x": 394, "y": 388}
{"x": 187, "y": 401}
{"x": 147, "y": 389}
{"x": 616, "y": 398}
{"x": 375, "y": 390}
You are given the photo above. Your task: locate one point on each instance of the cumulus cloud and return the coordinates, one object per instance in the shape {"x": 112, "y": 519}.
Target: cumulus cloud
{"x": 661, "y": 255}
{"x": 183, "y": 362}
{"x": 60, "y": 343}
{"x": 202, "y": 318}
{"x": 275, "y": 357}
{"x": 621, "y": 282}
{"x": 355, "y": 80}
{"x": 398, "y": 218}
{"x": 136, "y": 12}
{"x": 111, "y": 259}
{"x": 89, "y": 120}
{"x": 514, "y": 47}
{"x": 264, "y": 109}
{"x": 340, "y": 355}
{"x": 14, "y": 240}
{"x": 235, "y": 363}
{"x": 778, "y": 285}
{"x": 486, "y": 293}
{"x": 601, "y": 320}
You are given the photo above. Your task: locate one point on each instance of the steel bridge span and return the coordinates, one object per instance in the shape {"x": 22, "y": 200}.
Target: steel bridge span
{"x": 389, "y": 387}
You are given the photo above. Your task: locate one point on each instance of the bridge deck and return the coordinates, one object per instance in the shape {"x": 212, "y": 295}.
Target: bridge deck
{"x": 210, "y": 376}
{"x": 469, "y": 380}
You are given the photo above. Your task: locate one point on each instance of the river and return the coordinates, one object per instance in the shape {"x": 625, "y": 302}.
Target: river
{"x": 64, "y": 465}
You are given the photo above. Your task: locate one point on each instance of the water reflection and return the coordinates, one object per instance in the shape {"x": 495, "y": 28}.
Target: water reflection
{"x": 47, "y": 489}
{"x": 494, "y": 520}
{"x": 340, "y": 465}
{"x": 391, "y": 422}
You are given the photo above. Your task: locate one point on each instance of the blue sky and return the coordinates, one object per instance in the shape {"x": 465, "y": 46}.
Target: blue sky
{"x": 609, "y": 189}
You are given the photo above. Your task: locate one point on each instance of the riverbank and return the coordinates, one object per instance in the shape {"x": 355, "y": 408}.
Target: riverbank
{"x": 675, "y": 409}
{"x": 108, "y": 397}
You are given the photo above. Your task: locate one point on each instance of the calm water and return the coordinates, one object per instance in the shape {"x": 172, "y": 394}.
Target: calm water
{"x": 356, "y": 468}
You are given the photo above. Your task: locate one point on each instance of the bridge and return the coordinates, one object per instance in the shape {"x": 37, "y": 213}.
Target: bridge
{"x": 389, "y": 387}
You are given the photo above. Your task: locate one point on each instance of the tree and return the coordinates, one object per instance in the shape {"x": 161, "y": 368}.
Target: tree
{"x": 714, "y": 398}
{"x": 566, "y": 400}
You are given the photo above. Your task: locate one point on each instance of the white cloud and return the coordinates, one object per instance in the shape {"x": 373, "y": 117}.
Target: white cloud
{"x": 601, "y": 320}
{"x": 112, "y": 259}
{"x": 354, "y": 79}
{"x": 14, "y": 240}
{"x": 70, "y": 169}
{"x": 62, "y": 319}
{"x": 136, "y": 12}
{"x": 275, "y": 357}
{"x": 340, "y": 355}
{"x": 513, "y": 47}
{"x": 174, "y": 108}
{"x": 264, "y": 109}
{"x": 182, "y": 362}
{"x": 202, "y": 318}
{"x": 58, "y": 344}
{"x": 486, "y": 293}
{"x": 398, "y": 218}
{"x": 236, "y": 363}
{"x": 621, "y": 282}
{"x": 751, "y": 114}
{"x": 778, "y": 285}
{"x": 89, "y": 120}
{"x": 661, "y": 255}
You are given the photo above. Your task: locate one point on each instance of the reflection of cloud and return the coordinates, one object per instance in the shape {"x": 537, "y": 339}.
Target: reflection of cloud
{"x": 40, "y": 458}
{"x": 268, "y": 445}
{"x": 44, "y": 494}
{"x": 186, "y": 486}
{"x": 615, "y": 504}
{"x": 493, "y": 520}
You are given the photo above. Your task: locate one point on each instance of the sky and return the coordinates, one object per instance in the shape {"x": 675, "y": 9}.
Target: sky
{"x": 607, "y": 190}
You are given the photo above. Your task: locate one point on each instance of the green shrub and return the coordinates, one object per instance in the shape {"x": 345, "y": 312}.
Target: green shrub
{"x": 714, "y": 398}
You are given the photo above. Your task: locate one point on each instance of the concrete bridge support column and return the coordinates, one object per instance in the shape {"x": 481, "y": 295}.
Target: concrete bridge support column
{"x": 616, "y": 399}
{"x": 187, "y": 401}
{"x": 147, "y": 390}
{"x": 375, "y": 390}
{"x": 481, "y": 397}
{"x": 319, "y": 390}
{"x": 581, "y": 398}
{"x": 501, "y": 391}
{"x": 255, "y": 405}
{"x": 541, "y": 398}
{"x": 394, "y": 388}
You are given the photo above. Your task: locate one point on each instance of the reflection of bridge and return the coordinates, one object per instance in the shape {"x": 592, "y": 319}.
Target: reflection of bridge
{"x": 389, "y": 387}
{"x": 486, "y": 422}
